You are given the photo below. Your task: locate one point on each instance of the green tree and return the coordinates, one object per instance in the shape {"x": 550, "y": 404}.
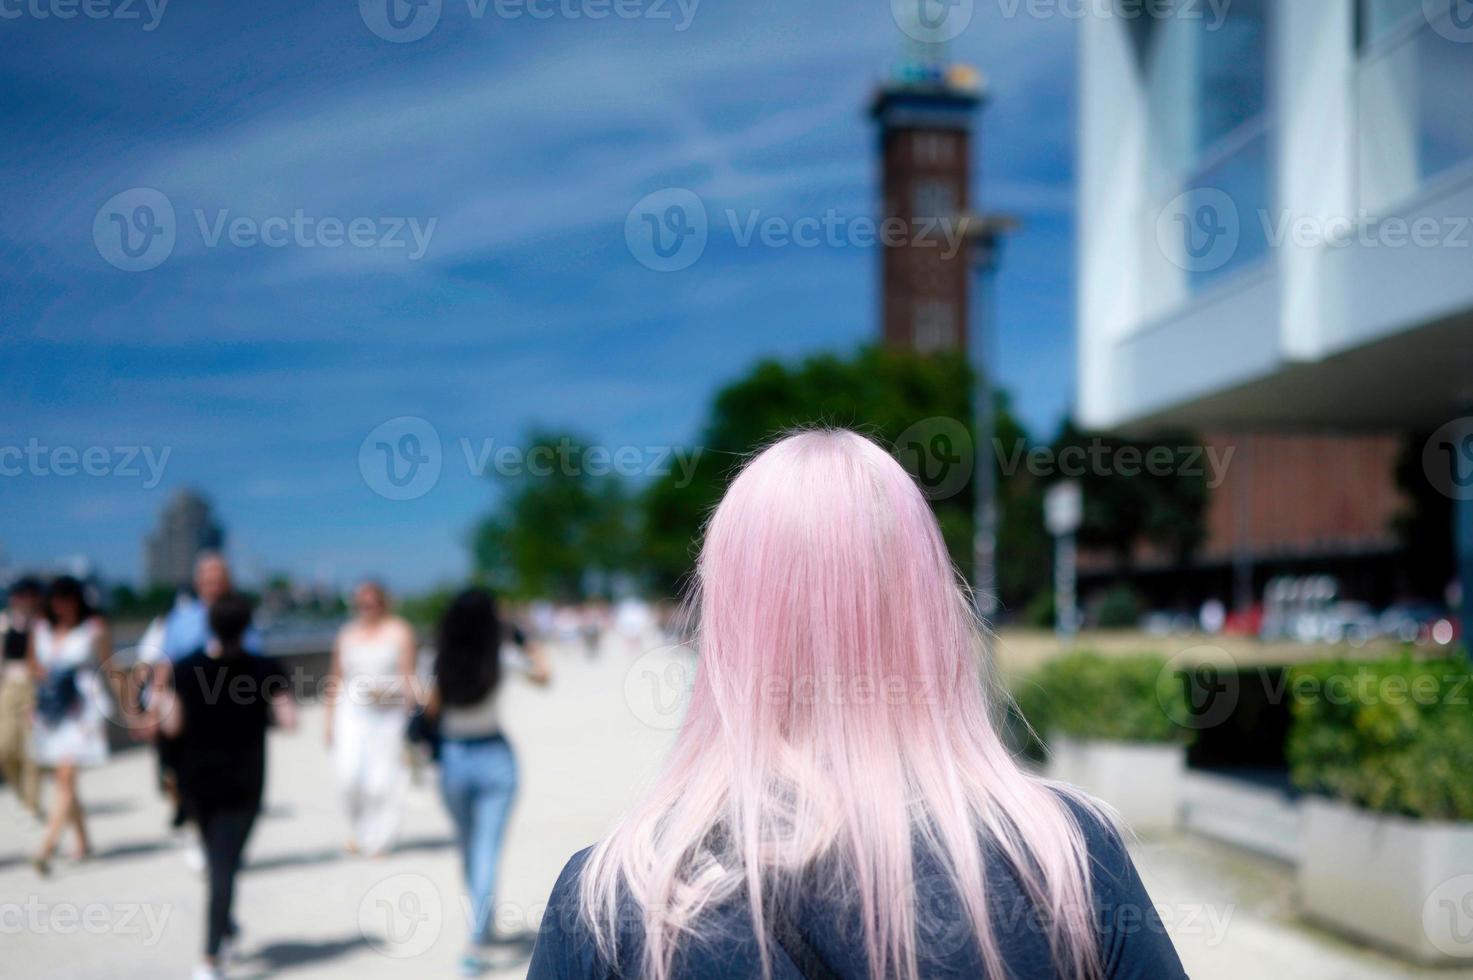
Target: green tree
{"x": 558, "y": 531}
{"x": 1126, "y": 501}
{"x": 889, "y": 395}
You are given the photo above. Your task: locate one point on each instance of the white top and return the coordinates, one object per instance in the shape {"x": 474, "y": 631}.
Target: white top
{"x": 80, "y": 737}
{"x": 71, "y": 650}
{"x": 373, "y": 656}
{"x": 370, "y": 664}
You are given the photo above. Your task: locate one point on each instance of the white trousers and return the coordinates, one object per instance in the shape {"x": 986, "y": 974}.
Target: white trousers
{"x": 368, "y": 756}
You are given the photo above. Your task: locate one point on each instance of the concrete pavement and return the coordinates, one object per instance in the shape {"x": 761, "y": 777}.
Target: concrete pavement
{"x": 586, "y": 745}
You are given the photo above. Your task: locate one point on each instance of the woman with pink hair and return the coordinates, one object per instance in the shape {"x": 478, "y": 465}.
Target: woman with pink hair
{"x": 838, "y": 802}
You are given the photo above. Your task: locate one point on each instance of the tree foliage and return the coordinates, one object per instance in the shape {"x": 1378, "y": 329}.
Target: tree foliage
{"x": 562, "y": 529}
{"x": 1127, "y": 502}
{"x": 882, "y": 393}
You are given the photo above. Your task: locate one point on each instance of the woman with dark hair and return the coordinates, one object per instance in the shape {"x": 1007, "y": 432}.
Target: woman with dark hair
{"x": 478, "y": 770}
{"x": 69, "y": 731}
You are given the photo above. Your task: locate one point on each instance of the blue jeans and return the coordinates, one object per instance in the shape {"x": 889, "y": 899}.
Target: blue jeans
{"x": 478, "y": 781}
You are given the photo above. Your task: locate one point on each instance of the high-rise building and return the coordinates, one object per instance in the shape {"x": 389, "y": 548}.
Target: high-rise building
{"x": 924, "y": 113}
{"x": 186, "y": 527}
{"x": 1274, "y": 251}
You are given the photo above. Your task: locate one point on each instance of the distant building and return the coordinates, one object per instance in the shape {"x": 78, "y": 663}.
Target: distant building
{"x": 187, "y": 526}
{"x": 1274, "y": 251}
{"x": 924, "y": 113}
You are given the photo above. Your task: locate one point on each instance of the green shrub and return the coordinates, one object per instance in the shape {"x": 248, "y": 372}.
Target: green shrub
{"x": 1120, "y": 608}
{"x": 1394, "y": 736}
{"x": 1118, "y": 699}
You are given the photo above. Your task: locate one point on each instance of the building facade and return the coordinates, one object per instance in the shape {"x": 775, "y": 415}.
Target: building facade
{"x": 1275, "y": 250}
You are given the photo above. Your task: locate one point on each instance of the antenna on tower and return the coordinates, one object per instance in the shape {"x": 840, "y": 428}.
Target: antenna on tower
{"x": 926, "y": 44}
{"x": 925, "y": 61}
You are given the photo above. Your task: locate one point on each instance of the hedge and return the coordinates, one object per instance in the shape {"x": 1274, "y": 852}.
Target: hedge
{"x": 1393, "y": 736}
{"x": 1086, "y": 695}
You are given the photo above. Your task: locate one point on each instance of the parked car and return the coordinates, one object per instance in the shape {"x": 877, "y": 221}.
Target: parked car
{"x": 1348, "y": 622}
{"x": 1418, "y": 621}
{"x": 1165, "y": 622}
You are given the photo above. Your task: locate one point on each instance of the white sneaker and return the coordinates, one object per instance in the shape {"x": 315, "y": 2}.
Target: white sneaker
{"x": 194, "y": 857}
{"x": 207, "y": 972}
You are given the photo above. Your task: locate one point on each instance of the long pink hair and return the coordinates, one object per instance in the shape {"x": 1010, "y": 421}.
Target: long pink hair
{"x": 840, "y": 712}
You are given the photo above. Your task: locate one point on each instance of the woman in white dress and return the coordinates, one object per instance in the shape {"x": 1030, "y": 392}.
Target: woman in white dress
{"x": 373, "y": 665}
{"x": 69, "y": 731}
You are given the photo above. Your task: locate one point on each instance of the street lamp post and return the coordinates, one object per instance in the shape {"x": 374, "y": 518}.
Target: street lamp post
{"x": 984, "y": 234}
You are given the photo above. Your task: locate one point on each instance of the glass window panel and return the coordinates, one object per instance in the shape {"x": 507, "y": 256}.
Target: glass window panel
{"x": 1243, "y": 177}
{"x": 1414, "y": 123}
{"x": 1232, "y": 86}
{"x": 1378, "y": 18}
{"x": 1208, "y": 92}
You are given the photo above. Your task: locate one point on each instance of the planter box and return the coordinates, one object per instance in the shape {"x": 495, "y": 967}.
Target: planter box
{"x": 1141, "y": 780}
{"x": 1402, "y": 884}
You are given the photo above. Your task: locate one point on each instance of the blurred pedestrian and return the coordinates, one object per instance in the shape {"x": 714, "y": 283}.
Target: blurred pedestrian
{"x": 184, "y": 631}
{"x": 18, "y": 694}
{"x": 478, "y": 769}
{"x": 373, "y": 663}
{"x": 221, "y": 702}
{"x": 69, "y": 731}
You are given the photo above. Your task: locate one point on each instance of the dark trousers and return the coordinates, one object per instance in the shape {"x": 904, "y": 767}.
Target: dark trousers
{"x": 224, "y": 832}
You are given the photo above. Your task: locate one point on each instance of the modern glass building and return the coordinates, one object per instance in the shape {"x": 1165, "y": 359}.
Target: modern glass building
{"x": 1276, "y": 226}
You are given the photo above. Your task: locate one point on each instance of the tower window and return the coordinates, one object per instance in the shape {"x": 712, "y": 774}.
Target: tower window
{"x": 933, "y": 149}
{"x": 934, "y": 326}
{"x": 933, "y": 199}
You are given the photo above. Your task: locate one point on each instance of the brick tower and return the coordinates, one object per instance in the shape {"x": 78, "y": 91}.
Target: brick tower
{"x": 925, "y": 114}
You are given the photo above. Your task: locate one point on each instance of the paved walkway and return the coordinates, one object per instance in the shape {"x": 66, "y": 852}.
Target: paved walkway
{"x": 586, "y": 745}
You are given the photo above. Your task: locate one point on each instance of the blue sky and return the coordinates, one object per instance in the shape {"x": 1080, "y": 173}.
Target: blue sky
{"x": 261, "y": 370}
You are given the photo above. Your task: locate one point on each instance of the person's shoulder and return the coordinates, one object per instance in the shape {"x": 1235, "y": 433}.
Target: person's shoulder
{"x": 188, "y": 672}
{"x": 1134, "y": 943}
{"x": 184, "y": 605}
{"x": 565, "y": 947}
{"x": 570, "y": 878}
{"x": 1098, "y": 827}
{"x": 197, "y": 657}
